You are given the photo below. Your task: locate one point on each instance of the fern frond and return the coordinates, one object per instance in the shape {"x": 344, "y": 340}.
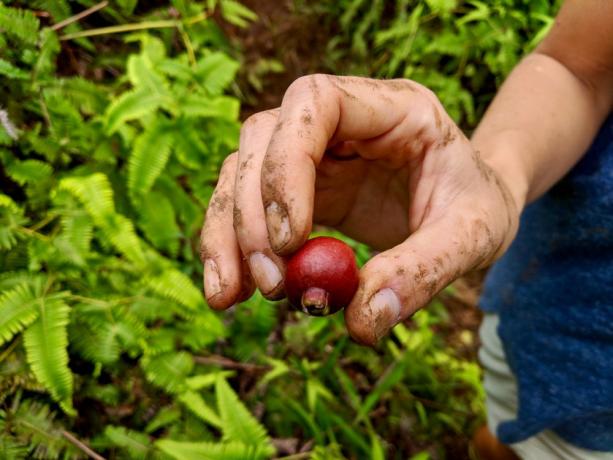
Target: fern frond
{"x": 224, "y": 107}
{"x": 97, "y": 344}
{"x": 186, "y": 208}
{"x": 215, "y": 72}
{"x": 10, "y": 71}
{"x": 143, "y": 75}
{"x": 236, "y": 13}
{"x": 11, "y": 450}
{"x": 136, "y": 445}
{"x": 19, "y": 23}
{"x": 195, "y": 403}
{"x": 238, "y": 423}
{"x": 168, "y": 370}
{"x": 130, "y": 106}
{"x": 175, "y": 285}
{"x": 96, "y": 195}
{"x": 87, "y": 96}
{"x": 18, "y": 309}
{"x": 157, "y": 219}
{"x": 75, "y": 238}
{"x": 29, "y": 171}
{"x": 11, "y": 218}
{"x": 190, "y": 149}
{"x": 34, "y": 424}
{"x": 45, "y": 342}
{"x": 212, "y": 451}
{"x": 148, "y": 159}
{"x": 202, "y": 330}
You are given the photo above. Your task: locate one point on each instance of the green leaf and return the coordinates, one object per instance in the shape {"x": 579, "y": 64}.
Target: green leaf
{"x": 238, "y": 423}
{"x": 225, "y": 107}
{"x": 148, "y": 158}
{"x": 18, "y": 309}
{"x": 144, "y": 77}
{"x": 136, "y": 445}
{"x": 131, "y": 105}
{"x": 236, "y": 13}
{"x": 157, "y": 219}
{"x": 20, "y": 23}
{"x": 46, "y": 341}
{"x": 215, "y": 72}
{"x": 10, "y": 71}
{"x": 168, "y": 370}
{"x": 195, "y": 403}
{"x": 29, "y": 171}
{"x": 96, "y": 195}
{"x": 178, "y": 287}
{"x": 212, "y": 451}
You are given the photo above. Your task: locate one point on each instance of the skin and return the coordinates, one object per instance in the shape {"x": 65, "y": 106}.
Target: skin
{"x": 382, "y": 162}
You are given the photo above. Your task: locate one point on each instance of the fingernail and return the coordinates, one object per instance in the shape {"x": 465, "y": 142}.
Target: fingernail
{"x": 278, "y": 225}
{"x": 265, "y": 272}
{"x": 385, "y": 308}
{"x": 212, "y": 284}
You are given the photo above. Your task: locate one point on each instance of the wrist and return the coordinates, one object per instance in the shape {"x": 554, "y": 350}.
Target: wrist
{"x": 510, "y": 170}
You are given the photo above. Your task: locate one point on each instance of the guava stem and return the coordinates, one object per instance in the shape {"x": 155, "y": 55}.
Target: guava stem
{"x": 315, "y": 301}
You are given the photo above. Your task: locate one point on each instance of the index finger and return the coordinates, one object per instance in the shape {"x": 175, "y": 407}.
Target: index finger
{"x": 322, "y": 110}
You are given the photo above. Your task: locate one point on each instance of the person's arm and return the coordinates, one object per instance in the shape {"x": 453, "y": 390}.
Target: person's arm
{"x": 552, "y": 104}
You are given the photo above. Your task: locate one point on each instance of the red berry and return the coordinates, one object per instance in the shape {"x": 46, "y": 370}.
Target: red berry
{"x": 322, "y": 276}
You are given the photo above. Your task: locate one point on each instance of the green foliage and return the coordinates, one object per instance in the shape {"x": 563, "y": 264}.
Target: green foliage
{"x": 461, "y": 49}
{"x": 110, "y": 147}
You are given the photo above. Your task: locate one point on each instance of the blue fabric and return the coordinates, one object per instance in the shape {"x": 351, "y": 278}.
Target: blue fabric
{"x": 553, "y": 291}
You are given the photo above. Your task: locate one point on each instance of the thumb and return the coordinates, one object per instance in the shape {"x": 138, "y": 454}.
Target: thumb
{"x": 400, "y": 281}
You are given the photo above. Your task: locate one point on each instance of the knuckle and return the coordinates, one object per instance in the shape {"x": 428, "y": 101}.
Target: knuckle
{"x": 229, "y": 162}
{"x": 308, "y": 83}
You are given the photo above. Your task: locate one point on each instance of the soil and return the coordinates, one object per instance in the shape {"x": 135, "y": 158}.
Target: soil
{"x": 283, "y": 34}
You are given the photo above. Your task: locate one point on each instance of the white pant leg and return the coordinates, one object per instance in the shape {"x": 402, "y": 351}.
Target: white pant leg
{"x": 501, "y": 403}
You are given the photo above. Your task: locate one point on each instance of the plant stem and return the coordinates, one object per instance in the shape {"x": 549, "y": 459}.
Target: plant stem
{"x": 81, "y": 445}
{"x": 162, "y": 24}
{"x": 80, "y": 15}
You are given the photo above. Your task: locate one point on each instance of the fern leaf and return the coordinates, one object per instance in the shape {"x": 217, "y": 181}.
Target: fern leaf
{"x": 29, "y": 171}
{"x": 17, "y": 310}
{"x": 195, "y": 403}
{"x": 97, "y": 344}
{"x": 19, "y": 23}
{"x": 142, "y": 75}
{"x": 168, "y": 370}
{"x": 148, "y": 159}
{"x": 136, "y": 445}
{"x": 34, "y": 423}
{"x": 75, "y": 238}
{"x": 10, "y": 71}
{"x": 157, "y": 219}
{"x": 215, "y": 72}
{"x": 130, "y": 106}
{"x": 175, "y": 285}
{"x": 238, "y": 423}
{"x": 236, "y": 13}
{"x": 224, "y": 107}
{"x": 96, "y": 195}
{"x": 88, "y": 97}
{"x": 189, "y": 147}
{"x": 11, "y": 218}
{"x": 45, "y": 342}
{"x": 212, "y": 451}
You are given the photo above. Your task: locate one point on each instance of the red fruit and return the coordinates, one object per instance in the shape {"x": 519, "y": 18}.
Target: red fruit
{"x": 322, "y": 276}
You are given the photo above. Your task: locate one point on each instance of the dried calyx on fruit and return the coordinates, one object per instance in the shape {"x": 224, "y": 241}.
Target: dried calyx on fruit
{"x": 322, "y": 276}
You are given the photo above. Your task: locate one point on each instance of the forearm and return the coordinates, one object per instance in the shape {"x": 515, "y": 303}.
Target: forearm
{"x": 539, "y": 125}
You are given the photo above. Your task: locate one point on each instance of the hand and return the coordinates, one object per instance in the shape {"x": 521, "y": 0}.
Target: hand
{"x": 382, "y": 162}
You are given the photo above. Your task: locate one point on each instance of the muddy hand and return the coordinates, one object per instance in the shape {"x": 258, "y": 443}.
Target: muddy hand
{"x": 380, "y": 161}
